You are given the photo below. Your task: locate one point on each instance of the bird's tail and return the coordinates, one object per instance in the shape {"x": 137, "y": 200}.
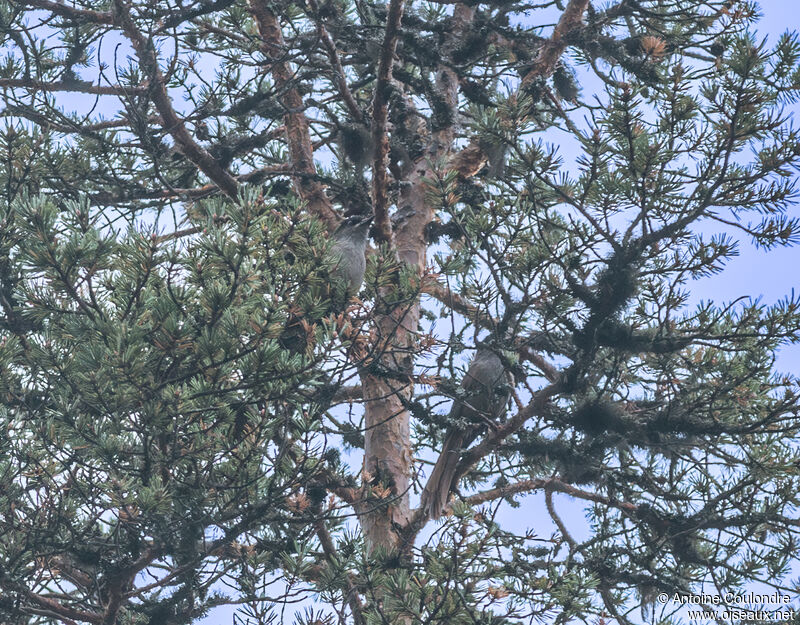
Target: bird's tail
{"x": 437, "y": 490}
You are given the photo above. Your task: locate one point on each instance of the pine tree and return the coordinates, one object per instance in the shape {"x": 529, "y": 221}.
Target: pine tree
{"x": 171, "y": 175}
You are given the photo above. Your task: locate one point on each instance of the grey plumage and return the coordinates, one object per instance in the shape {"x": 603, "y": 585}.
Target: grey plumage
{"x": 487, "y": 385}
{"x": 347, "y": 250}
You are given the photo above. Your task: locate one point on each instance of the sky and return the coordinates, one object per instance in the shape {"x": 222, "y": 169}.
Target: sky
{"x": 755, "y": 273}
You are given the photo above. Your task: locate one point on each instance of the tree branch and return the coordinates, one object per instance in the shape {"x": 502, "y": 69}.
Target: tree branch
{"x": 52, "y": 605}
{"x": 551, "y": 509}
{"x": 336, "y": 65}
{"x": 554, "y": 47}
{"x": 298, "y": 136}
{"x": 462, "y": 305}
{"x": 348, "y": 393}
{"x": 78, "y": 86}
{"x": 380, "y": 114}
{"x": 543, "y": 66}
{"x": 73, "y": 13}
{"x": 158, "y": 92}
{"x": 550, "y": 485}
{"x": 431, "y": 286}
{"x": 537, "y": 406}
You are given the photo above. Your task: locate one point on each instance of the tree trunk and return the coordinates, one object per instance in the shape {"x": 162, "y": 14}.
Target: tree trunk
{"x": 387, "y": 450}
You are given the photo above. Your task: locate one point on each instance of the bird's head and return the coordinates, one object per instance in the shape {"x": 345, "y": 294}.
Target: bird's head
{"x": 500, "y": 346}
{"x": 354, "y": 227}
{"x": 503, "y": 353}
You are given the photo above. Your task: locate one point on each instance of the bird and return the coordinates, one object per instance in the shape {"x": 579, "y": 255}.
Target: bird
{"x": 487, "y": 385}
{"x": 348, "y": 255}
{"x": 349, "y": 249}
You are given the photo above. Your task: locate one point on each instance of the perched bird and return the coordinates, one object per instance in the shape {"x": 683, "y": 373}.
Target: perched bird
{"x": 348, "y": 251}
{"x": 487, "y": 386}
{"x": 482, "y": 151}
{"x": 349, "y": 248}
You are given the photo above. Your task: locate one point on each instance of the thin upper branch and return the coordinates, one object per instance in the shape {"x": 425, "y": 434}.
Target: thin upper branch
{"x": 456, "y": 302}
{"x": 74, "y": 13}
{"x": 336, "y": 65}
{"x": 78, "y": 86}
{"x": 462, "y": 305}
{"x": 148, "y": 62}
{"x": 348, "y": 394}
{"x": 549, "y": 485}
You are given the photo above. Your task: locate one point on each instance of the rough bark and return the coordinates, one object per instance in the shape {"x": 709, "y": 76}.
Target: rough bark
{"x": 554, "y": 47}
{"x": 380, "y": 114}
{"x": 387, "y": 451}
{"x": 298, "y": 136}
